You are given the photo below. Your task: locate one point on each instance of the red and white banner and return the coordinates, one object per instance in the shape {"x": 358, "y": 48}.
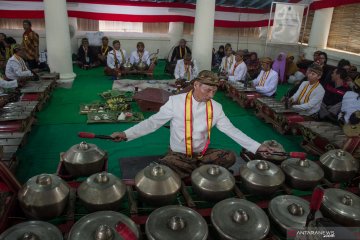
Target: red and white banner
{"x": 115, "y": 10}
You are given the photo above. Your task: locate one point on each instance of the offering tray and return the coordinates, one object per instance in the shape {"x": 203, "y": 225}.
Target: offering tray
{"x": 127, "y": 95}
{"x": 113, "y": 117}
{"x": 92, "y": 107}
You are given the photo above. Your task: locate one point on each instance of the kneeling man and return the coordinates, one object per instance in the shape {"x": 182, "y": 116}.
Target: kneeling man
{"x": 307, "y": 100}
{"x": 267, "y": 81}
{"x": 192, "y": 116}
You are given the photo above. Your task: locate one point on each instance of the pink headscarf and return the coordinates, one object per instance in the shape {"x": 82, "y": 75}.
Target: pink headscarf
{"x": 279, "y": 66}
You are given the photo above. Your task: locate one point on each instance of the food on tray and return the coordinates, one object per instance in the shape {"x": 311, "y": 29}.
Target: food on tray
{"x": 128, "y": 114}
{"x": 122, "y": 116}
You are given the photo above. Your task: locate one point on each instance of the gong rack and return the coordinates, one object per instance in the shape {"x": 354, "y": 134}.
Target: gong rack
{"x": 320, "y": 137}
{"x": 139, "y": 211}
{"x": 245, "y": 97}
{"x": 18, "y": 115}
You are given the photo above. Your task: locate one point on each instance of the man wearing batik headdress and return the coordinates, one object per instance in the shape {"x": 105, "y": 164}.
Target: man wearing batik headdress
{"x": 267, "y": 81}
{"x": 192, "y": 116}
{"x": 307, "y": 100}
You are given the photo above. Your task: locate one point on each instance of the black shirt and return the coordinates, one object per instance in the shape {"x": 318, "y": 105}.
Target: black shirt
{"x": 333, "y": 95}
{"x": 176, "y": 55}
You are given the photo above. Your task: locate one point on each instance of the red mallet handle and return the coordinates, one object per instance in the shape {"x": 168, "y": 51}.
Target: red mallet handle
{"x": 86, "y": 135}
{"x": 300, "y": 155}
{"x": 315, "y": 203}
{"x": 92, "y": 135}
{"x": 125, "y": 232}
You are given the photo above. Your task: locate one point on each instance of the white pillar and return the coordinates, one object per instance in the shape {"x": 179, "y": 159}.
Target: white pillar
{"x": 73, "y": 27}
{"x": 58, "y": 41}
{"x": 176, "y": 30}
{"x": 204, "y": 33}
{"x": 320, "y": 28}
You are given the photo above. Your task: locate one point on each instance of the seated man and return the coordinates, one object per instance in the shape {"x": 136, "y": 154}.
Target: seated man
{"x": 334, "y": 92}
{"x": 104, "y": 50}
{"x": 238, "y": 69}
{"x": 115, "y": 58}
{"x": 303, "y": 63}
{"x": 16, "y": 69}
{"x": 186, "y": 69}
{"x": 86, "y": 58}
{"x": 267, "y": 81}
{"x": 140, "y": 55}
{"x": 189, "y": 115}
{"x": 253, "y": 65}
{"x": 227, "y": 62}
{"x": 180, "y": 51}
{"x": 307, "y": 99}
{"x": 350, "y": 102}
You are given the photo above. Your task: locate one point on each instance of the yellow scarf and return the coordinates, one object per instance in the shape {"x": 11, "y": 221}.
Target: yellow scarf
{"x": 180, "y": 50}
{"x": 235, "y": 66}
{"x": 140, "y": 56}
{"x": 104, "y": 50}
{"x": 308, "y": 94}
{"x": 122, "y": 55}
{"x": 115, "y": 59}
{"x": 189, "y": 124}
{"x": 263, "y": 78}
{"x": 187, "y": 71}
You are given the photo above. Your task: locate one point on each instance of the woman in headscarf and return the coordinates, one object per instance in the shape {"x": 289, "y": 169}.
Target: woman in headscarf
{"x": 253, "y": 65}
{"x": 219, "y": 56}
{"x": 291, "y": 67}
{"x": 279, "y": 66}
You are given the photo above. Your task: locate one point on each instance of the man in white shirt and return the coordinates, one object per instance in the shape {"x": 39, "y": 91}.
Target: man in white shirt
{"x": 267, "y": 81}
{"x": 16, "y": 68}
{"x": 191, "y": 116}
{"x": 140, "y": 55}
{"x": 350, "y": 102}
{"x": 238, "y": 69}
{"x": 227, "y": 62}
{"x": 307, "y": 99}
{"x": 115, "y": 58}
{"x": 186, "y": 69}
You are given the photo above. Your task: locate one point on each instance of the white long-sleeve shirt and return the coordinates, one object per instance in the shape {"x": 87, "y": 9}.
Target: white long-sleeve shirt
{"x": 230, "y": 61}
{"x": 16, "y": 68}
{"x": 315, "y": 99}
{"x": 134, "y": 57}
{"x": 181, "y": 70}
{"x": 174, "y": 111}
{"x": 239, "y": 72}
{"x": 111, "y": 59}
{"x": 350, "y": 104}
{"x": 270, "y": 84}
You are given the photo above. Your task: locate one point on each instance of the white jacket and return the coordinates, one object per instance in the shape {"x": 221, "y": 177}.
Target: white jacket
{"x": 180, "y": 72}
{"x": 230, "y": 60}
{"x": 270, "y": 85}
{"x": 111, "y": 59}
{"x": 174, "y": 111}
{"x": 16, "y": 68}
{"x": 134, "y": 57}
{"x": 314, "y": 103}
{"x": 239, "y": 72}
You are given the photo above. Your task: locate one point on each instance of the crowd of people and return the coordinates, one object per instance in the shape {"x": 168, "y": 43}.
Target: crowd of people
{"x": 20, "y": 61}
{"x": 111, "y": 58}
{"x": 320, "y": 91}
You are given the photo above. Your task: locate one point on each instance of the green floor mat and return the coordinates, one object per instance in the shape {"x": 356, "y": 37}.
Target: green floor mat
{"x": 59, "y": 122}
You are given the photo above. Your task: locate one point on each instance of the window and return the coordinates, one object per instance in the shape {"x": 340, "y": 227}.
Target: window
{"x": 10, "y": 23}
{"x": 345, "y": 29}
{"x": 115, "y": 26}
{"x": 227, "y": 32}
